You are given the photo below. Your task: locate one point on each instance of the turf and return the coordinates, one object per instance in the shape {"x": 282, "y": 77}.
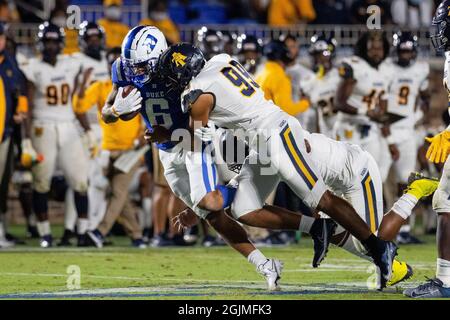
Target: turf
{"x": 122, "y": 272}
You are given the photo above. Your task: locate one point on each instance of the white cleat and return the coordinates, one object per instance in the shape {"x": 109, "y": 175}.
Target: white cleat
{"x": 271, "y": 270}
{"x": 5, "y": 243}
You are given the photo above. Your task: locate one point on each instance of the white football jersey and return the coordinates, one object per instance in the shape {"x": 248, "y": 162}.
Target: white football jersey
{"x": 54, "y": 87}
{"x": 406, "y": 84}
{"x": 99, "y": 73}
{"x": 338, "y": 174}
{"x": 371, "y": 86}
{"x": 321, "y": 92}
{"x": 100, "y": 67}
{"x": 298, "y": 74}
{"x": 447, "y": 78}
{"x": 239, "y": 101}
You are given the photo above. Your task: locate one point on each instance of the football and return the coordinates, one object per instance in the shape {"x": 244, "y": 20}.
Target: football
{"x": 126, "y": 90}
{"x": 128, "y": 116}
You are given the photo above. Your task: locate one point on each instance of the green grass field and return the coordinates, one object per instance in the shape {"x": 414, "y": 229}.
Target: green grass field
{"x": 122, "y": 272}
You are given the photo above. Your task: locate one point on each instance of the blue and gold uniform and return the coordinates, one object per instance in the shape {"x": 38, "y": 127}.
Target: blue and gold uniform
{"x": 160, "y": 105}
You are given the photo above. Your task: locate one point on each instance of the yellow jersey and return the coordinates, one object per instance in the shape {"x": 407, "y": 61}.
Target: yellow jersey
{"x": 167, "y": 27}
{"x": 71, "y": 45}
{"x": 115, "y": 32}
{"x": 277, "y": 87}
{"x": 119, "y": 135}
{"x": 289, "y": 12}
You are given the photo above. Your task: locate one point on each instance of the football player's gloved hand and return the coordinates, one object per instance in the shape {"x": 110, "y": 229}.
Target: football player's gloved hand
{"x": 90, "y": 143}
{"x": 29, "y": 156}
{"x": 205, "y": 134}
{"x": 438, "y": 150}
{"x": 131, "y": 103}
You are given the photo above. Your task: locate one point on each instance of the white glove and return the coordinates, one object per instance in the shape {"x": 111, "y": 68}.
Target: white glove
{"x": 27, "y": 148}
{"x": 129, "y": 104}
{"x": 205, "y": 134}
{"x": 29, "y": 156}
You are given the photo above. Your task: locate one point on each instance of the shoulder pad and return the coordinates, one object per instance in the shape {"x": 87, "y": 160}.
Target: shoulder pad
{"x": 189, "y": 98}
{"x": 345, "y": 71}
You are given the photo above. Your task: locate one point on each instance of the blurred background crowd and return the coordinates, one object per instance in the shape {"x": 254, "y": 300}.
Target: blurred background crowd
{"x": 242, "y": 28}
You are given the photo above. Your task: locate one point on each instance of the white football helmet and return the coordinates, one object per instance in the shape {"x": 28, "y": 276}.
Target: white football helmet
{"x": 141, "y": 48}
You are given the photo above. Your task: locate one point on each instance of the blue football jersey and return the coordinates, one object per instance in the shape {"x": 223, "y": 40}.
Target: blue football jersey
{"x": 160, "y": 106}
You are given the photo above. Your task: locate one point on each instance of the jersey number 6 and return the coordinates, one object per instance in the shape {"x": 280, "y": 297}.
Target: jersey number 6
{"x": 157, "y": 111}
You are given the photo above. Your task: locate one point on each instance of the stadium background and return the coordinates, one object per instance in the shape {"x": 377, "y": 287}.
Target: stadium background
{"x": 260, "y": 18}
{"x": 237, "y": 17}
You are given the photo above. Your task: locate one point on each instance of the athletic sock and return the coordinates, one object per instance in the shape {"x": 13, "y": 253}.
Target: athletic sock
{"x": 405, "y": 228}
{"x": 371, "y": 243}
{"x": 147, "y": 208}
{"x": 355, "y": 247}
{"x": 256, "y": 257}
{"x": 404, "y": 205}
{"x": 306, "y": 224}
{"x": 443, "y": 271}
{"x": 43, "y": 228}
{"x": 82, "y": 225}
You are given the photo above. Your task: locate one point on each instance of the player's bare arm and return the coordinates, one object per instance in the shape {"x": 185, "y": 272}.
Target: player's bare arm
{"x": 107, "y": 114}
{"x": 343, "y": 92}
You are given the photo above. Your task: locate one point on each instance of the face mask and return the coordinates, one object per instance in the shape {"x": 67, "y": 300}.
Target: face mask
{"x": 59, "y": 21}
{"x": 159, "y": 16}
{"x": 113, "y": 13}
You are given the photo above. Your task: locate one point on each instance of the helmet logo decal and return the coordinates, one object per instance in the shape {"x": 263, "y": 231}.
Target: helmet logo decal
{"x": 179, "y": 59}
{"x": 151, "y": 42}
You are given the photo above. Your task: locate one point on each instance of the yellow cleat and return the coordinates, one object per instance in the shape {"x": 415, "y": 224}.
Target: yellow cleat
{"x": 420, "y": 186}
{"x": 401, "y": 271}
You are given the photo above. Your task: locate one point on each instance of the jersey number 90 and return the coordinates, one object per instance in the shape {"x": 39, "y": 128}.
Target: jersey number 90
{"x": 57, "y": 95}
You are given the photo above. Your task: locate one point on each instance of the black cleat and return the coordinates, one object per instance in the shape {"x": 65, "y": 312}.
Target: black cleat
{"x": 321, "y": 233}
{"x": 384, "y": 259}
{"x": 65, "y": 239}
{"x": 83, "y": 240}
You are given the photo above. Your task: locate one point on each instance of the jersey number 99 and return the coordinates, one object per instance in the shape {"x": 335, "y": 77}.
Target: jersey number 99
{"x": 240, "y": 78}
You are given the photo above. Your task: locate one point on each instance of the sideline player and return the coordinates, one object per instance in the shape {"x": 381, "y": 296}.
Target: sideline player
{"x": 52, "y": 131}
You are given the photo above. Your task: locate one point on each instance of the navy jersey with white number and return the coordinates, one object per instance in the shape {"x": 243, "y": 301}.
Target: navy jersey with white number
{"x": 160, "y": 106}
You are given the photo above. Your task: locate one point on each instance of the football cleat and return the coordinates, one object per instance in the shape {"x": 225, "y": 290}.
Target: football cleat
{"x": 407, "y": 238}
{"x": 321, "y": 232}
{"x": 433, "y": 288}
{"x": 138, "y": 243}
{"x": 65, "y": 239}
{"x": 271, "y": 270}
{"x": 5, "y": 243}
{"x": 161, "y": 241}
{"x": 83, "y": 240}
{"x": 384, "y": 259}
{"x": 96, "y": 237}
{"x": 401, "y": 271}
{"x": 420, "y": 186}
{"x": 46, "y": 241}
